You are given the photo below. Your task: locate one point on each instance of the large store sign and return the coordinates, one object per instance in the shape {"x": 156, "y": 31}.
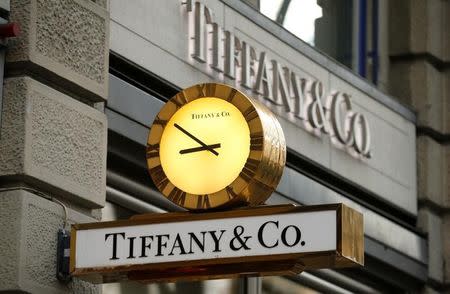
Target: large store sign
{"x": 302, "y": 100}
{"x": 207, "y": 239}
{"x": 188, "y": 245}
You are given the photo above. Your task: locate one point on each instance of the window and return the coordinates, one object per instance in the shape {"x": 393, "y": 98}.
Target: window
{"x": 346, "y": 30}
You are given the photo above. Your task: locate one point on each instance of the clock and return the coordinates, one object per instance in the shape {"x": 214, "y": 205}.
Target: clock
{"x": 212, "y": 147}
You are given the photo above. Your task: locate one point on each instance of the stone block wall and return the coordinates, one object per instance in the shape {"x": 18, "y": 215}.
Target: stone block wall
{"x": 29, "y": 243}
{"x": 53, "y": 136}
{"x": 419, "y": 48}
{"x": 64, "y": 42}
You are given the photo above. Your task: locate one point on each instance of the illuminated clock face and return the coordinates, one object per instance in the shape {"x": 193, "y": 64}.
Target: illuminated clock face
{"x": 204, "y": 146}
{"x": 210, "y": 146}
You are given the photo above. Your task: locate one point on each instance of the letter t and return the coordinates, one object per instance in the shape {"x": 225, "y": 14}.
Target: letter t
{"x": 114, "y": 247}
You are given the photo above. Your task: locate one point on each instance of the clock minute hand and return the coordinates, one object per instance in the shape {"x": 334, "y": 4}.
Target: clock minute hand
{"x": 196, "y": 140}
{"x": 196, "y": 149}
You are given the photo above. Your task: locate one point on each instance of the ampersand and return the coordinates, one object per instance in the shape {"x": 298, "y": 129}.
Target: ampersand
{"x": 238, "y": 231}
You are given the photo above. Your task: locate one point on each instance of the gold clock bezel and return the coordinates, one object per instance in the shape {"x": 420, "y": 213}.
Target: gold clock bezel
{"x": 264, "y": 165}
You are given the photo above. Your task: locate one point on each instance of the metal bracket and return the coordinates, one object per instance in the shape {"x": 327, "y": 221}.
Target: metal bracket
{"x": 63, "y": 257}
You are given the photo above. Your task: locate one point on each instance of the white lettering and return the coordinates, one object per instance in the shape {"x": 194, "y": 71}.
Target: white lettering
{"x": 298, "y": 88}
{"x": 232, "y": 46}
{"x": 263, "y": 84}
{"x": 301, "y": 98}
{"x": 280, "y": 85}
{"x": 248, "y": 56}
{"x": 316, "y": 114}
{"x": 340, "y": 117}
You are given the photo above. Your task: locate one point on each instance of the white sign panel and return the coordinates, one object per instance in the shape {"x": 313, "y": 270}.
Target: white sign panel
{"x": 207, "y": 239}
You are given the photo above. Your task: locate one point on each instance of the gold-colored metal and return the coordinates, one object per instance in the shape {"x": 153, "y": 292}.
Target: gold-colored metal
{"x": 352, "y": 235}
{"x": 349, "y": 249}
{"x": 259, "y": 176}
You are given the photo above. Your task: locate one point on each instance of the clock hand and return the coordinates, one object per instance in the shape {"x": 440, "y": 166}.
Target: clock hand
{"x": 196, "y": 149}
{"x": 196, "y": 140}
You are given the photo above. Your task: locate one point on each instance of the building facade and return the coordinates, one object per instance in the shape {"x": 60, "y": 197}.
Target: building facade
{"x": 83, "y": 81}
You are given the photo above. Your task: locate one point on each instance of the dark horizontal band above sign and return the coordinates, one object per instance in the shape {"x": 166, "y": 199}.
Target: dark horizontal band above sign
{"x": 285, "y": 36}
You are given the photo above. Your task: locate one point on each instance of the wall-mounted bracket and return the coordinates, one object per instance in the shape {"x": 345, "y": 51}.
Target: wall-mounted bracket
{"x": 63, "y": 257}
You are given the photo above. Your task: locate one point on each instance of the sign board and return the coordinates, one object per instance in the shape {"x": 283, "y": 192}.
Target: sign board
{"x": 301, "y": 100}
{"x": 262, "y": 240}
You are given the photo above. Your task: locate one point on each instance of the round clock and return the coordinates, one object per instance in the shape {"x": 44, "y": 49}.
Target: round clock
{"x": 211, "y": 146}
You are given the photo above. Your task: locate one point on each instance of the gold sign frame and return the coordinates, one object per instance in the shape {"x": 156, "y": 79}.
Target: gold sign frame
{"x": 349, "y": 249}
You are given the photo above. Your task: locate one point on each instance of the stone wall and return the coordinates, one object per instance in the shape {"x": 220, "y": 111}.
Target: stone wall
{"x": 53, "y": 137}
{"x": 420, "y": 76}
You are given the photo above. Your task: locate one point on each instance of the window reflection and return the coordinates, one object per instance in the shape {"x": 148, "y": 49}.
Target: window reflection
{"x": 346, "y": 30}
{"x": 297, "y": 16}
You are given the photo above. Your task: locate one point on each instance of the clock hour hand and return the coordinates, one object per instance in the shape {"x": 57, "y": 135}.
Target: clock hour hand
{"x": 196, "y": 149}
{"x": 196, "y": 140}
